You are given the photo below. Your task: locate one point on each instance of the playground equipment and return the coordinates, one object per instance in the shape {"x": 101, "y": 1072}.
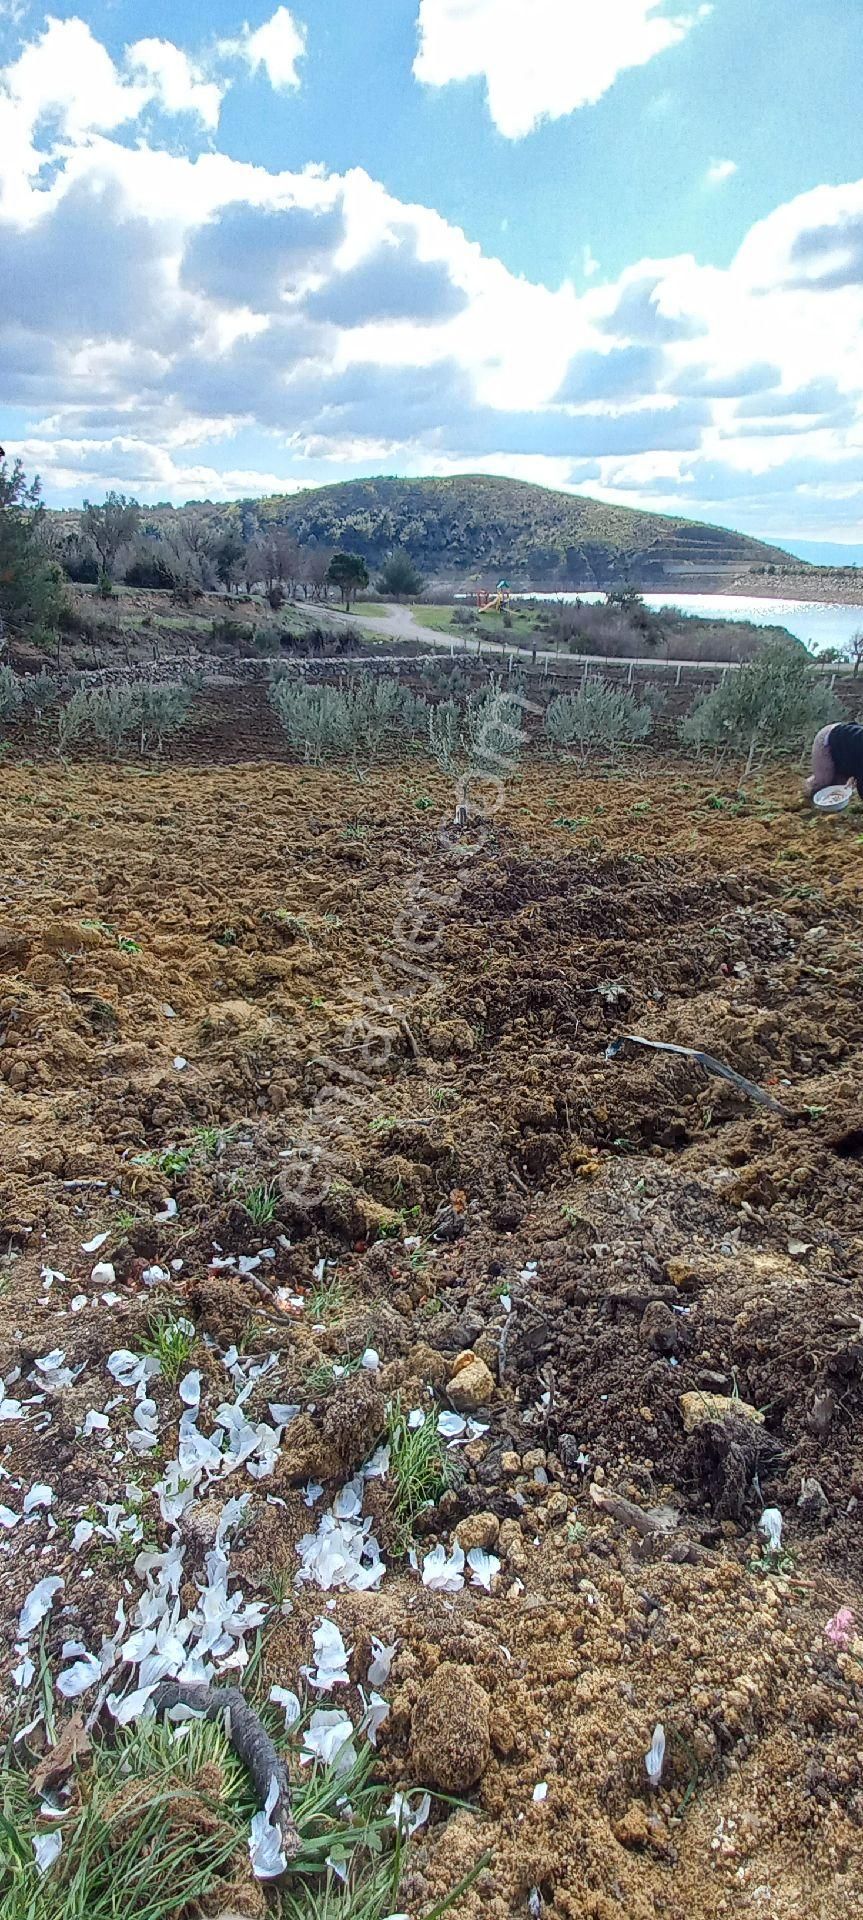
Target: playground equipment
{"x": 496, "y": 602}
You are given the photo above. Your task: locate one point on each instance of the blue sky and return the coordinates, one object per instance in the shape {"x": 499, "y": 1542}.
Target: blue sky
{"x": 613, "y": 248}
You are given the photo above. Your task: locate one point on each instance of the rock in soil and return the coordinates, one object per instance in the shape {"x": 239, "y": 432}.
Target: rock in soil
{"x": 450, "y": 1731}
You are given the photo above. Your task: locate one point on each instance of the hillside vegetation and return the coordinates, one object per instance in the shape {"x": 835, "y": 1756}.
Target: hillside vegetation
{"x": 476, "y": 527}
{"x": 478, "y": 524}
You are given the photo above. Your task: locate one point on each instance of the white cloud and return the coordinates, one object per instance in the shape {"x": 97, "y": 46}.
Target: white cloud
{"x": 541, "y": 59}
{"x": 178, "y": 85}
{"x": 277, "y": 46}
{"x": 66, "y": 80}
{"x": 366, "y": 332}
{"x": 719, "y": 171}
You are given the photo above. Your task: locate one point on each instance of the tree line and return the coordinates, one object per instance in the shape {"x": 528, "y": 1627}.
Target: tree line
{"x": 114, "y": 541}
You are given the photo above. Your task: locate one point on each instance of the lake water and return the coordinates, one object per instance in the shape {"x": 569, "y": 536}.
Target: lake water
{"x": 819, "y": 626}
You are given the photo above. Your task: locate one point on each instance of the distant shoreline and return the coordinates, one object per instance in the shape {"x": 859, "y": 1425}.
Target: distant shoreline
{"x": 843, "y": 592}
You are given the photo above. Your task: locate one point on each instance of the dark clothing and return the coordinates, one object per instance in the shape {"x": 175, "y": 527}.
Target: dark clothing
{"x": 845, "y": 745}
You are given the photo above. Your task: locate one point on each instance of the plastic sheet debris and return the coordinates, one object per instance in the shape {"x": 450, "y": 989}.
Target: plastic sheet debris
{"x": 841, "y": 1630}
{"x": 83, "y": 1674}
{"x": 39, "y": 1496}
{"x": 331, "y": 1656}
{"x": 375, "y": 1712}
{"x": 381, "y": 1662}
{"x": 704, "y": 1060}
{"x": 98, "y": 1240}
{"x": 129, "y": 1707}
{"x": 132, "y": 1369}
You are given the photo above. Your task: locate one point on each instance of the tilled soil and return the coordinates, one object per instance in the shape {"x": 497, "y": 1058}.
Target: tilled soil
{"x": 400, "y": 1032}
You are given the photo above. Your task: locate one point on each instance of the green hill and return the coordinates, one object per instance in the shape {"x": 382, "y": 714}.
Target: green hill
{"x": 478, "y": 526}
{"x": 471, "y": 529}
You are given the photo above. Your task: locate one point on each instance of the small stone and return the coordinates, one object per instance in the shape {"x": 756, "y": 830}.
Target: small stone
{"x": 680, "y": 1273}
{"x": 813, "y": 1502}
{"x": 510, "y": 1464}
{"x": 700, "y": 1409}
{"x": 659, "y": 1328}
{"x": 638, "y": 1829}
{"x": 478, "y": 1530}
{"x": 535, "y": 1457}
{"x": 472, "y": 1384}
{"x": 556, "y": 1508}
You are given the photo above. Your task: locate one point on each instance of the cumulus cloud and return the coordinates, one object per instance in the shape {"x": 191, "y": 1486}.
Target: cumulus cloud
{"x": 157, "y": 304}
{"x": 719, "y": 171}
{"x": 278, "y": 46}
{"x": 814, "y": 242}
{"x": 621, "y": 372}
{"x": 543, "y": 60}
{"x": 641, "y": 313}
{"x": 67, "y": 78}
{"x": 756, "y": 376}
{"x": 60, "y": 275}
{"x": 175, "y": 81}
{"x": 254, "y": 255}
{"x": 392, "y": 283}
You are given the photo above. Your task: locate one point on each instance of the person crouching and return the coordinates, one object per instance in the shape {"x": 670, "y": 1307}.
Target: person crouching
{"x": 837, "y": 757}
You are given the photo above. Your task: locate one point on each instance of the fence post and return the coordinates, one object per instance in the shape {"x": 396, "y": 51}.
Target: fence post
{"x": 679, "y": 669}
{"x": 629, "y": 675}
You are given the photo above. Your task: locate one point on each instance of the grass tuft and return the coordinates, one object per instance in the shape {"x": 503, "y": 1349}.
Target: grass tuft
{"x": 158, "y": 1827}
{"x": 419, "y": 1470}
{"x": 259, "y": 1203}
{"x": 170, "y": 1339}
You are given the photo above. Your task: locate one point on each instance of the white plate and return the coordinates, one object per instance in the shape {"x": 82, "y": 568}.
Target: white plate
{"x": 833, "y": 799}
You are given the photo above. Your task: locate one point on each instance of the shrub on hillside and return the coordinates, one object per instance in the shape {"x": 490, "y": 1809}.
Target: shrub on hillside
{"x": 361, "y": 721}
{"x": 597, "y": 717}
{"x": 227, "y": 632}
{"x": 445, "y": 734}
{"x": 770, "y": 706}
{"x": 494, "y": 729}
{"x": 114, "y": 717}
{"x": 11, "y": 694}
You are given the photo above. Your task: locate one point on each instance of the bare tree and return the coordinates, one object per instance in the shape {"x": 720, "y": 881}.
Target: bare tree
{"x": 110, "y": 527}
{"x": 315, "y": 571}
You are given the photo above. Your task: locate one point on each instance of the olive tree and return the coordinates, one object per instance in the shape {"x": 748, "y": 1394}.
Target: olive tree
{"x": 596, "y": 718}
{"x": 769, "y": 706}
{"x": 110, "y": 527}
